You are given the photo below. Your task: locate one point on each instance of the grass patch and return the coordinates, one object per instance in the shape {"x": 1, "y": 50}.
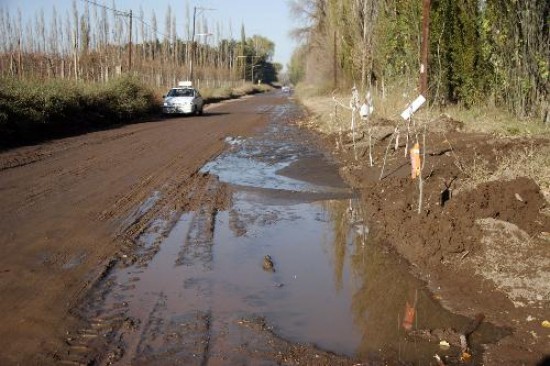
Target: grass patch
{"x": 389, "y": 104}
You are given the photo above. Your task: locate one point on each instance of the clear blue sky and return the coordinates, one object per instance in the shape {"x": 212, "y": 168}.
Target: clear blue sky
{"x": 270, "y": 19}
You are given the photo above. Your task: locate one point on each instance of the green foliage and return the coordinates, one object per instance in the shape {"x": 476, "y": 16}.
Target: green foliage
{"x": 457, "y": 58}
{"x": 398, "y": 42}
{"x": 263, "y": 47}
{"x": 479, "y": 51}
{"x": 297, "y": 66}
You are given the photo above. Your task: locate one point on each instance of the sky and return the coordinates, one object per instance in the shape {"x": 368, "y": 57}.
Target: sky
{"x": 270, "y": 19}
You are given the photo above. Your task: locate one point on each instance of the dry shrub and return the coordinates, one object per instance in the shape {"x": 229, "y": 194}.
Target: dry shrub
{"x": 487, "y": 119}
{"x": 532, "y": 162}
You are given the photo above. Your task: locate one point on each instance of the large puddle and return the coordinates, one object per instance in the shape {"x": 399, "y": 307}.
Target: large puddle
{"x": 331, "y": 286}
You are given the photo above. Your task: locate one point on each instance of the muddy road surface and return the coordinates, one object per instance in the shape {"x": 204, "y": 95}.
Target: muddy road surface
{"x": 215, "y": 240}
{"x": 69, "y": 206}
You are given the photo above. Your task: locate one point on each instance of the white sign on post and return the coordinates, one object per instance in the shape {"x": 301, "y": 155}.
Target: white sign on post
{"x": 413, "y": 107}
{"x": 367, "y": 108}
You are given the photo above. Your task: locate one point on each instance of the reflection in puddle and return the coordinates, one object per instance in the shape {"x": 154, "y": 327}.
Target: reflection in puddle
{"x": 331, "y": 285}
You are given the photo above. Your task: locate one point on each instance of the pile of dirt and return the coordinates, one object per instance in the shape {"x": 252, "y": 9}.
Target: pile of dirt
{"x": 440, "y": 233}
{"x": 445, "y": 227}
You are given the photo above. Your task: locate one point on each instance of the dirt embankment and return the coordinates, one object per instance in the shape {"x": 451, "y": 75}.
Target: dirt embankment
{"x": 481, "y": 249}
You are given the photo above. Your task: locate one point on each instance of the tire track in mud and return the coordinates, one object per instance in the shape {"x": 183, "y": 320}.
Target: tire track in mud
{"x": 200, "y": 238}
{"x": 115, "y": 331}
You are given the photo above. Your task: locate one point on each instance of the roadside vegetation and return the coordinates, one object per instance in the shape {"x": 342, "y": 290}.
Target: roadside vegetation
{"x": 31, "y": 111}
{"x": 480, "y": 53}
{"x": 212, "y": 95}
{"x": 488, "y": 72}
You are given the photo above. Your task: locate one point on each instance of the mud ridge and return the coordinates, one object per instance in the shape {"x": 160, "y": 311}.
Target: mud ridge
{"x": 108, "y": 335}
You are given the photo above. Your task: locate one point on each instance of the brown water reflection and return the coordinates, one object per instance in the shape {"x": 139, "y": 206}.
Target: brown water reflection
{"x": 389, "y": 304}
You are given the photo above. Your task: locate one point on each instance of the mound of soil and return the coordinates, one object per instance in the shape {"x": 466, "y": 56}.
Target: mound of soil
{"x": 445, "y": 226}
{"x": 441, "y": 232}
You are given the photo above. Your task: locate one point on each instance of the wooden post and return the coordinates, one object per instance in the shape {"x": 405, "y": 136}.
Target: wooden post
{"x": 192, "y": 53}
{"x": 425, "y": 45}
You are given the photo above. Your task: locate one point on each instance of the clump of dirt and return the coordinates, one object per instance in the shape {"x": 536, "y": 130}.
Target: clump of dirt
{"x": 441, "y": 232}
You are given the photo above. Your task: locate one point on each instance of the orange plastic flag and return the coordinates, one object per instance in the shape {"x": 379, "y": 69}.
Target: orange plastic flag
{"x": 408, "y": 319}
{"x": 415, "y": 161}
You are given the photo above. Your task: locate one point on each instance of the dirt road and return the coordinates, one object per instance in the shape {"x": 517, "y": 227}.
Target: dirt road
{"x": 232, "y": 239}
{"x": 64, "y": 208}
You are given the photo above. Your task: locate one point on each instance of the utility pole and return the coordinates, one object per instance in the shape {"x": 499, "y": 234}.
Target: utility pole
{"x": 192, "y": 50}
{"x": 425, "y": 45}
{"x": 117, "y": 13}
{"x": 252, "y": 64}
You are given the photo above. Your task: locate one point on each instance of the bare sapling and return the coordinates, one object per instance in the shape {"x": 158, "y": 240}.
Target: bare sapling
{"x": 354, "y": 101}
{"x": 420, "y": 176}
{"x": 353, "y": 133}
{"x": 333, "y": 122}
{"x": 350, "y": 107}
{"x": 365, "y": 112}
{"x": 407, "y": 136}
{"x": 371, "y": 161}
{"x": 396, "y": 139}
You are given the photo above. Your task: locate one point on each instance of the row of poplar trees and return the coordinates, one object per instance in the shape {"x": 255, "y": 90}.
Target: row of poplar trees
{"x": 479, "y": 50}
{"x": 96, "y": 41}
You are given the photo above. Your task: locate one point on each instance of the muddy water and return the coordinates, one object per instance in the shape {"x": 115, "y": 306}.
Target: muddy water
{"x": 331, "y": 286}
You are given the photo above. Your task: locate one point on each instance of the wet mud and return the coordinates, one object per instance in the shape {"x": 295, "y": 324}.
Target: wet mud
{"x": 194, "y": 285}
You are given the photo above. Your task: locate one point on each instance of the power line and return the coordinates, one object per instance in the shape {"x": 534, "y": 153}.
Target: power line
{"x": 152, "y": 29}
{"x": 118, "y": 12}
{"x": 127, "y": 14}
